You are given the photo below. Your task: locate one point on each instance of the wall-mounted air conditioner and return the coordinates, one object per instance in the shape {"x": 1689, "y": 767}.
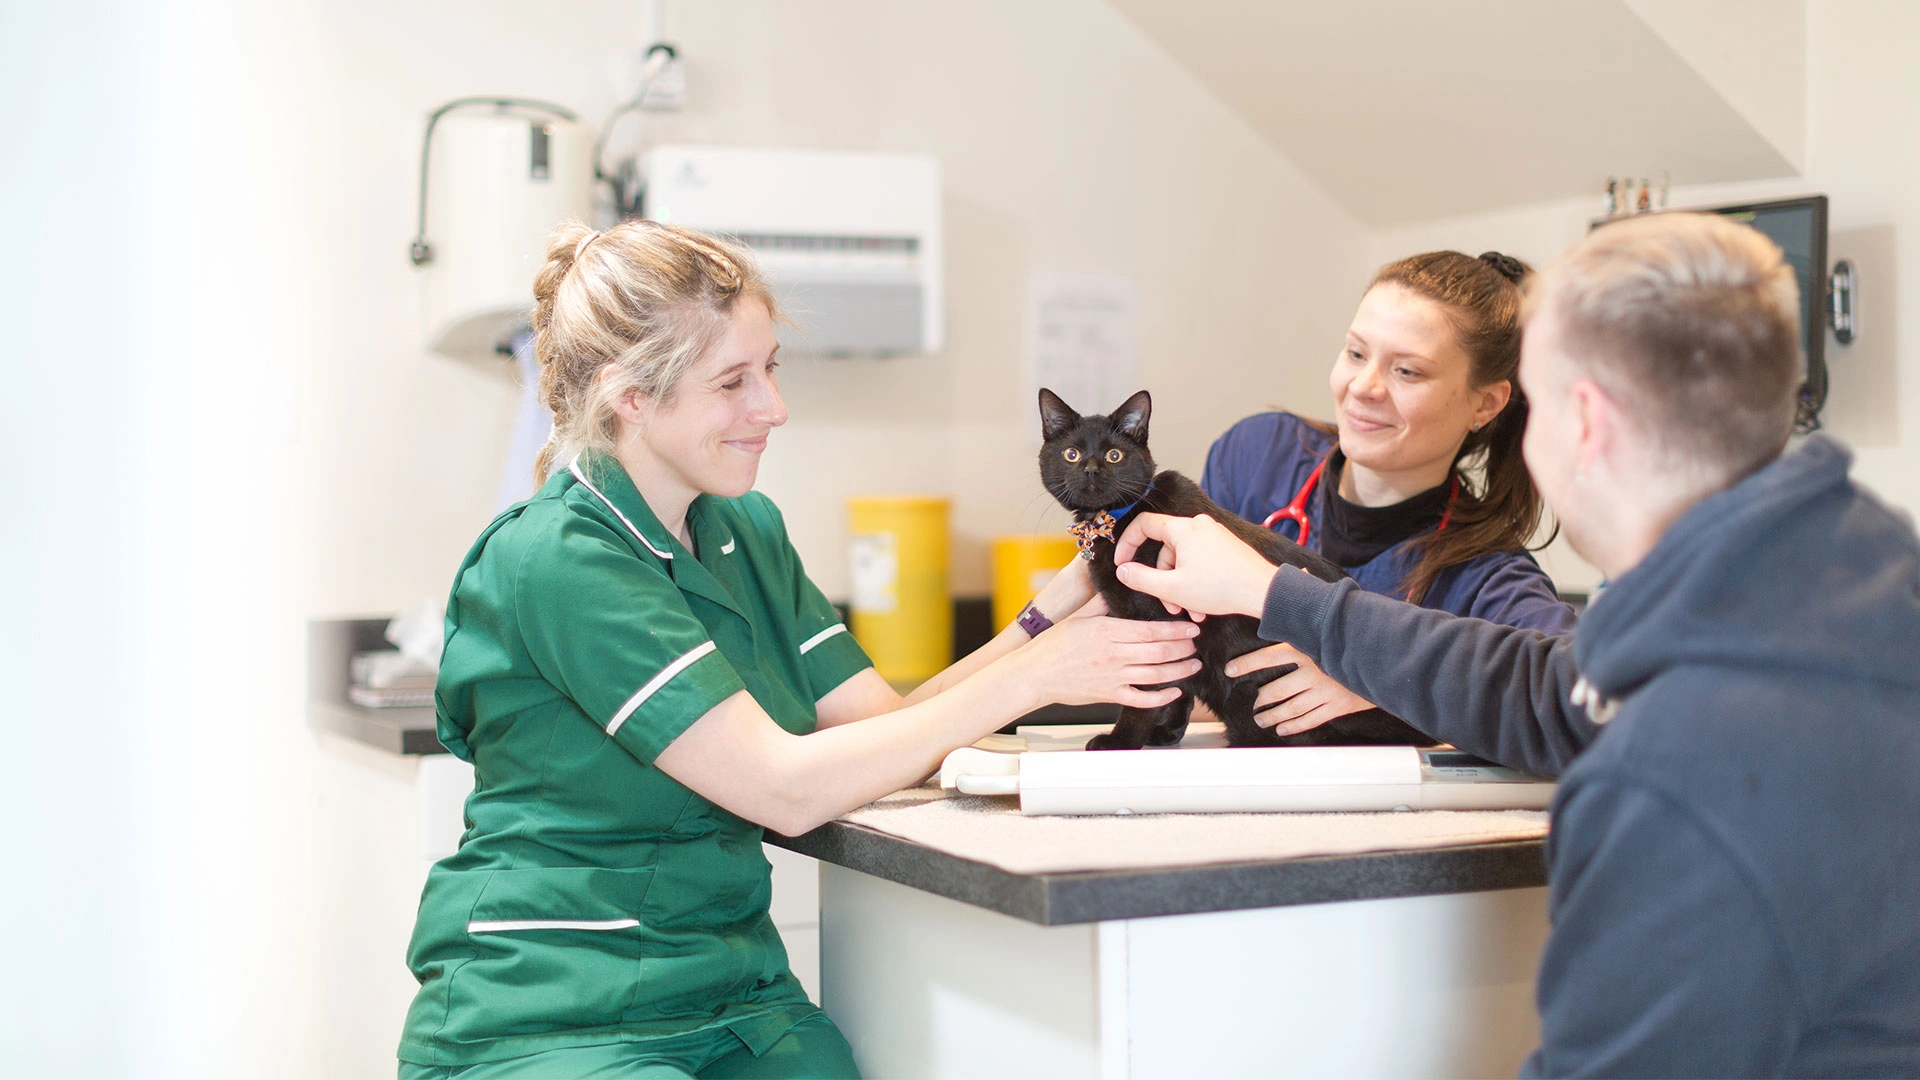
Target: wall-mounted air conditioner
{"x": 851, "y": 242}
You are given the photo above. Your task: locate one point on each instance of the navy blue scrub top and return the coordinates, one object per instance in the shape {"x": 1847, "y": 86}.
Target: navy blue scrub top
{"x": 1259, "y": 465}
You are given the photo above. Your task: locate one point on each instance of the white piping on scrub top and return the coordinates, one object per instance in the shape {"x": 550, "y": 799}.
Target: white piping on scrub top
{"x": 574, "y": 468}
{"x": 498, "y": 925}
{"x": 655, "y": 683}
{"x": 807, "y": 645}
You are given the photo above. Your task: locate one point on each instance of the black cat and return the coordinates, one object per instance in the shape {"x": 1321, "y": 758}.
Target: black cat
{"x": 1096, "y": 464}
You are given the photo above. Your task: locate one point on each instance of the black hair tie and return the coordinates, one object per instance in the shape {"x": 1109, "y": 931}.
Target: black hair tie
{"x": 1510, "y": 268}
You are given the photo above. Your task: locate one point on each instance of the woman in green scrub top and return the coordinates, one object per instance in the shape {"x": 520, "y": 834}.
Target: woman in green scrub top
{"x": 645, "y": 679}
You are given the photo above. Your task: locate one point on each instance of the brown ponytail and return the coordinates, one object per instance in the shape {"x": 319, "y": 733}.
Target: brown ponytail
{"x": 1497, "y": 508}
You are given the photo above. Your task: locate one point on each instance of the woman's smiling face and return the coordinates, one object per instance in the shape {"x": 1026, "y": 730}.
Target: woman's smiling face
{"x": 1402, "y": 389}
{"x": 709, "y": 438}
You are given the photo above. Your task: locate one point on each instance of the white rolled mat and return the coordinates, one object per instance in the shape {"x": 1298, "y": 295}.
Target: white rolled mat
{"x": 1322, "y": 778}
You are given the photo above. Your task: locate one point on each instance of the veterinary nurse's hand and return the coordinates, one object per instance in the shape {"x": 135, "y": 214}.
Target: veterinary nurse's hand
{"x": 1095, "y": 658}
{"x": 1300, "y": 700}
{"x": 1202, "y": 568}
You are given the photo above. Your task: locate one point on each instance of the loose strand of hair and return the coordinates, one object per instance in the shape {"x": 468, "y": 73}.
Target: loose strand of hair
{"x": 1503, "y": 516}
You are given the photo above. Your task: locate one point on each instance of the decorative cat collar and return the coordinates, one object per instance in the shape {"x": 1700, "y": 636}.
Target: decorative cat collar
{"x": 1100, "y": 527}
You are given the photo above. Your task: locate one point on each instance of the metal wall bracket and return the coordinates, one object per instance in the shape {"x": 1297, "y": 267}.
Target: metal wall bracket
{"x": 1842, "y": 291}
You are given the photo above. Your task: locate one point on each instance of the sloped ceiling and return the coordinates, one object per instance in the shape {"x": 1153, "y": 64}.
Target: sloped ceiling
{"x": 1411, "y": 110}
{"x": 1753, "y": 52}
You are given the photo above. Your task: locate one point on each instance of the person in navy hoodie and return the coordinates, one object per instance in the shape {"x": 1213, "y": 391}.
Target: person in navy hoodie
{"x": 1734, "y": 867}
{"x": 1418, "y": 489}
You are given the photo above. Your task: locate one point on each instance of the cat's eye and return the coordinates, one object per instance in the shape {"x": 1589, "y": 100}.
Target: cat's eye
{"x": 1114, "y": 456}
{"x": 1071, "y": 453}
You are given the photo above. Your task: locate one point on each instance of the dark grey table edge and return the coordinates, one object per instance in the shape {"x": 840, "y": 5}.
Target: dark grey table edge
{"x": 1054, "y": 899}
{"x": 330, "y": 643}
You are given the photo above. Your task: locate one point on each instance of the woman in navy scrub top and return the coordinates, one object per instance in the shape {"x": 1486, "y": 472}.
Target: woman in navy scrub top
{"x": 1418, "y": 489}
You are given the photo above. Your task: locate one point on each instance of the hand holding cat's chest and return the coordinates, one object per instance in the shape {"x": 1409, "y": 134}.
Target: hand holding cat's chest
{"x": 1101, "y": 557}
{"x": 1121, "y": 600}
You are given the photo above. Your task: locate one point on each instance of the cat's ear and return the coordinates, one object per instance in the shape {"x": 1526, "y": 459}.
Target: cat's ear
{"x": 1056, "y": 417}
{"x": 1130, "y": 419}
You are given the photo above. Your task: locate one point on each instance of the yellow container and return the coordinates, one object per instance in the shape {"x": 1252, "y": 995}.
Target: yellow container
{"x": 901, "y": 607}
{"x": 1021, "y": 565}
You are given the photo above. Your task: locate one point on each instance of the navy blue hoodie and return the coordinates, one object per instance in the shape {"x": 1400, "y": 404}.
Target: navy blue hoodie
{"x": 1734, "y": 867}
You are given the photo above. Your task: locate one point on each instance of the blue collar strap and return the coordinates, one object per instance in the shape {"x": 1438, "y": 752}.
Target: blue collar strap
{"x": 1119, "y": 512}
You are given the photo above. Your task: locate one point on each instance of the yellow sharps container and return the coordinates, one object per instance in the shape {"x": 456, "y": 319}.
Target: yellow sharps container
{"x": 902, "y": 610}
{"x": 1021, "y": 565}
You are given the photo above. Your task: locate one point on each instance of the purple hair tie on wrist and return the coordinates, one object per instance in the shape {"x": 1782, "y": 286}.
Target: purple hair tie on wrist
{"x": 1033, "y": 620}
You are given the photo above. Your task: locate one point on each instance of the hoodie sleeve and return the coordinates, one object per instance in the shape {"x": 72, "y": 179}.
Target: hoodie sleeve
{"x": 1662, "y": 961}
{"x": 1501, "y": 692}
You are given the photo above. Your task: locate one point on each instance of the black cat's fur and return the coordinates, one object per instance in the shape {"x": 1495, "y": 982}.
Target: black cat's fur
{"x": 1092, "y": 483}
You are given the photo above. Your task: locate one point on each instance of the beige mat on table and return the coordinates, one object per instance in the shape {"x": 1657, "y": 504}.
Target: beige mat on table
{"x": 992, "y": 830}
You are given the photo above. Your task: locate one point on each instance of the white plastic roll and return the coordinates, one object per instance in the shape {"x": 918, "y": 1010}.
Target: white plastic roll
{"x": 1217, "y": 781}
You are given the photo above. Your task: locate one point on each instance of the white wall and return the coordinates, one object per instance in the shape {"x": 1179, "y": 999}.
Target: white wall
{"x": 158, "y": 788}
{"x": 1763, "y": 78}
{"x": 1068, "y": 143}
{"x": 1863, "y": 152}
{"x": 400, "y": 449}
{"x": 67, "y": 511}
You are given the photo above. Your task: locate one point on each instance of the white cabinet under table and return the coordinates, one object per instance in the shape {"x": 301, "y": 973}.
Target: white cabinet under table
{"x": 1388, "y": 963}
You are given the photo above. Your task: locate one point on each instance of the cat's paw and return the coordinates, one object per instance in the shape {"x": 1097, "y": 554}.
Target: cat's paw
{"x": 1108, "y": 741}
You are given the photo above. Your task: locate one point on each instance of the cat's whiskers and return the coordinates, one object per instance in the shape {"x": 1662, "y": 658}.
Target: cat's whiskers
{"x": 1059, "y": 496}
{"x": 1040, "y": 514}
{"x": 1128, "y": 497}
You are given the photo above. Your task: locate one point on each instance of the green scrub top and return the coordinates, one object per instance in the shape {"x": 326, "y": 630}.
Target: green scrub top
{"x": 594, "y": 899}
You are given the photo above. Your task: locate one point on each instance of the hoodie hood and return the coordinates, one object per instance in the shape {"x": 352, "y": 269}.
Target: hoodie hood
{"x": 1793, "y": 569}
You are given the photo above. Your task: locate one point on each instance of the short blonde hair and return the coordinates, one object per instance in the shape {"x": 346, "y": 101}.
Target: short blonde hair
{"x": 647, "y": 298}
{"x": 1693, "y": 322}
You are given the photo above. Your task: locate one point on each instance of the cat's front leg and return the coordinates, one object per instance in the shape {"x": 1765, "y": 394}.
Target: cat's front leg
{"x": 1172, "y": 725}
{"x": 1162, "y": 726}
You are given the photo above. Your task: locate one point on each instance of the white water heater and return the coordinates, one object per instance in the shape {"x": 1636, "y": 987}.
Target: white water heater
{"x": 498, "y": 183}
{"x": 850, "y": 242}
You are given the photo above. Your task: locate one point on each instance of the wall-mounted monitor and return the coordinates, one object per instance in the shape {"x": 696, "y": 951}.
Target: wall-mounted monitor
{"x": 1799, "y": 226}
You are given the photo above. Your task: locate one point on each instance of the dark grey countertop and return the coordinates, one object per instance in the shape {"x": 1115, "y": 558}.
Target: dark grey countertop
{"x": 330, "y": 643}
{"x": 1053, "y": 899}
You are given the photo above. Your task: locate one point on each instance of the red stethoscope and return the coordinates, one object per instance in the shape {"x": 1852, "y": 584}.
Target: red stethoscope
{"x": 1296, "y": 511}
